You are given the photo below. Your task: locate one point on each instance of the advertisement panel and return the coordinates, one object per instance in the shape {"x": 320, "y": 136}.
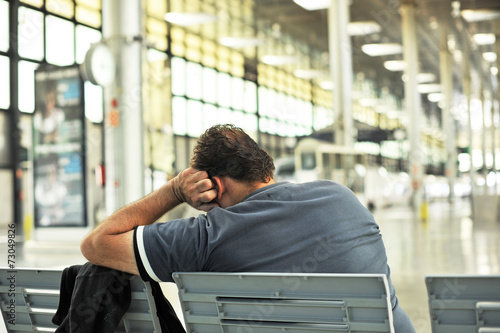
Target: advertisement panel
{"x": 58, "y": 148}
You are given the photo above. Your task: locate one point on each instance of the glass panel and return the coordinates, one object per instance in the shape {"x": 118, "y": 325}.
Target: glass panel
{"x": 178, "y": 76}
{"x": 209, "y": 85}
{"x": 263, "y": 103}
{"x": 237, "y": 93}
{"x": 5, "y": 139}
{"x": 250, "y": 104}
{"x": 34, "y": 3}
{"x": 193, "y": 80}
{"x": 223, "y": 89}
{"x": 95, "y": 4}
{"x": 251, "y": 125}
{"x": 4, "y": 26}
{"x": 239, "y": 119}
{"x": 179, "y": 115}
{"x": 85, "y": 37}
{"x": 94, "y": 102}
{"x": 209, "y": 115}
{"x": 27, "y": 86}
{"x": 195, "y": 116}
{"x": 224, "y": 116}
{"x": 60, "y": 41}
{"x": 156, "y": 8}
{"x": 88, "y": 16}
{"x": 4, "y": 83}
{"x": 30, "y": 33}
{"x": 62, "y": 7}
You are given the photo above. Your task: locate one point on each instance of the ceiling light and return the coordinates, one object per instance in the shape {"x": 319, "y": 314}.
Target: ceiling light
{"x": 363, "y": 28}
{"x": 435, "y": 97}
{"x": 313, "y": 4}
{"x": 485, "y": 39}
{"x": 189, "y": 19}
{"x": 240, "y": 42}
{"x": 429, "y": 88}
{"x": 494, "y": 71}
{"x": 375, "y": 50}
{"x": 277, "y": 60}
{"x": 327, "y": 85}
{"x": 425, "y": 77}
{"x": 395, "y": 65}
{"x": 476, "y": 15}
{"x": 308, "y": 74}
{"x": 490, "y": 56}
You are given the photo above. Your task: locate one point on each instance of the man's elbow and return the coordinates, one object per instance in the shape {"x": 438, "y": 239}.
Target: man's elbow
{"x": 87, "y": 247}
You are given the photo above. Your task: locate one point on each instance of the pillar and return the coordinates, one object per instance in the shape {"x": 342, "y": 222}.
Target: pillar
{"x": 447, "y": 119}
{"x": 124, "y": 152}
{"x": 412, "y": 99}
{"x": 341, "y": 70}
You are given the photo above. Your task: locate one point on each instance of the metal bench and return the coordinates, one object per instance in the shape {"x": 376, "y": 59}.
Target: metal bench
{"x": 277, "y": 302}
{"x": 31, "y": 296}
{"x": 464, "y": 303}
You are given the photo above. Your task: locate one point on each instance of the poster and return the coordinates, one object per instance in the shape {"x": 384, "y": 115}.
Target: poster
{"x": 58, "y": 148}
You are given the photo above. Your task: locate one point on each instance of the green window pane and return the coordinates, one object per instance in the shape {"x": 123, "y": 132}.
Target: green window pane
{"x": 179, "y": 124}
{"x": 178, "y": 76}
{"x": 85, "y": 37}
{"x": 30, "y": 33}
{"x": 27, "y": 86}
{"x": 4, "y": 26}
{"x": 60, "y": 39}
{"x": 4, "y": 83}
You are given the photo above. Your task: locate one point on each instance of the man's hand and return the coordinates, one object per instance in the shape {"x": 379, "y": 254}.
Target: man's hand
{"x": 195, "y": 188}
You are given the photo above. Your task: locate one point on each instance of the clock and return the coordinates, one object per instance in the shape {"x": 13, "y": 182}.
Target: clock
{"x": 99, "y": 66}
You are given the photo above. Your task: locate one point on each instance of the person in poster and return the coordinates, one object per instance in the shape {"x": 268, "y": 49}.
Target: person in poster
{"x": 58, "y": 133}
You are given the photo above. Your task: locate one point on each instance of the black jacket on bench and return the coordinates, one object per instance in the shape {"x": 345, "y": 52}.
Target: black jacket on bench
{"x": 95, "y": 298}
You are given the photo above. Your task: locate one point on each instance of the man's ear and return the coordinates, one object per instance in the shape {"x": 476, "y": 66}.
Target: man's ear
{"x": 219, "y": 184}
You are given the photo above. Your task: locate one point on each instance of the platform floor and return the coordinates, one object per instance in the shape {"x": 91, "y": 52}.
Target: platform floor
{"x": 449, "y": 242}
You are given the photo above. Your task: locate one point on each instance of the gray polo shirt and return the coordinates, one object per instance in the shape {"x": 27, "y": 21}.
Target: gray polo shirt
{"x": 315, "y": 227}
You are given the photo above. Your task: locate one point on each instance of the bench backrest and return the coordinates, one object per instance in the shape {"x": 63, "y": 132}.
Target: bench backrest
{"x": 29, "y": 299}
{"x": 464, "y": 303}
{"x": 278, "y": 302}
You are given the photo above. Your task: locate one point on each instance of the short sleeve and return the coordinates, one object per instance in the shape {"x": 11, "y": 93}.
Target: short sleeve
{"x": 175, "y": 246}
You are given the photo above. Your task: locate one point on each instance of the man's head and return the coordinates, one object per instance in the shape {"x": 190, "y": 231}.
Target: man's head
{"x": 226, "y": 150}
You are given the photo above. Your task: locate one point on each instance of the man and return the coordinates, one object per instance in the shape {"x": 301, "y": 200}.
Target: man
{"x": 251, "y": 224}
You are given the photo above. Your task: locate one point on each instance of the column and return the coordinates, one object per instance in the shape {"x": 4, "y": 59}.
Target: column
{"x": 447, "y": 119}
{"x": 124, "y": 152}
{"x": 412, "y": 99}
{"x": 341, "y": 70}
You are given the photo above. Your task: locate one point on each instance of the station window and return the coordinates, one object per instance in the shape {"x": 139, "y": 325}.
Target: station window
{"x": 4, "y": 26}
{"x": 4, "y": 83}
{"x": 60, "y": 41}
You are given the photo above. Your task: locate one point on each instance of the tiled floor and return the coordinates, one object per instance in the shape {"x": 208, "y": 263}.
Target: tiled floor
{"x": 449, "y": 242}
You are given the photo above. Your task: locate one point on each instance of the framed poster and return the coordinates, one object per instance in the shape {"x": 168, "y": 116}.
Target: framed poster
{"x": 59, "y": 148}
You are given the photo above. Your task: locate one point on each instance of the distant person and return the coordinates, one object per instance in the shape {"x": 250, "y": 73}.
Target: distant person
{"x": 252, "y": 224}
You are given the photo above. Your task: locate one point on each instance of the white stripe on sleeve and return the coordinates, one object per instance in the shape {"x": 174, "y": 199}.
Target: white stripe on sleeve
{"x": 142, "y": 253}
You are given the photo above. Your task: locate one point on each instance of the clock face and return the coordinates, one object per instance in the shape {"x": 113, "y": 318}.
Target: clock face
{"x": 100, "y": 65}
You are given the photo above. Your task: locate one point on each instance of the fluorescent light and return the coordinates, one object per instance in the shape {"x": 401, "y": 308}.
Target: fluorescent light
{"x": 189, "y": 19}
{"x": 241, "y": 42}
{"x": 308, "y": 74}
{"x": 425, "y": 77}
{"x": 327, "y": 85}
{"x": 375, "y": 50}
{"x": 477, "y": 15}
{"x": 485, "y": 39}
{"x": 395, "y": 65}
{"x": 313, "y": 4}
{"x": 490, "y": 56}
{"x": 435, "y": 97}
{"x": 277, "y": 60}
{"x": 363, "y": 28}
{"x": 429, "y": 88}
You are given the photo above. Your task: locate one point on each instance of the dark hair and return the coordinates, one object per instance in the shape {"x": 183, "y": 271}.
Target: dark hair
{"x": 226, "y": 150}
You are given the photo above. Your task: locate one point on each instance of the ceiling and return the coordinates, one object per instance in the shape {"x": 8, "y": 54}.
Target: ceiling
{"x": 311, "y": 27}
